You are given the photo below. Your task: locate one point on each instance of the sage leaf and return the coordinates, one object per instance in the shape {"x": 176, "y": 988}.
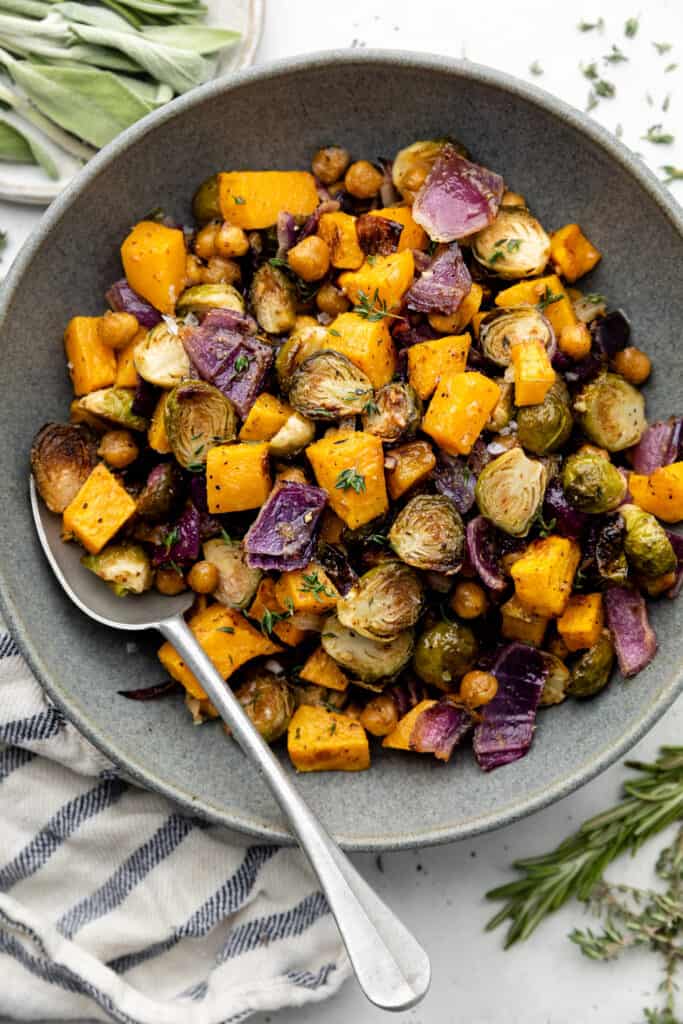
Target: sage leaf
{"x": 89, "y": 14}
{"x": 154, "y": 93}
{"x": 29, "y": 8}
{"x": 21, "y": 146}
{"x": 27, "y": 112}
{"x": 198, "y": 38}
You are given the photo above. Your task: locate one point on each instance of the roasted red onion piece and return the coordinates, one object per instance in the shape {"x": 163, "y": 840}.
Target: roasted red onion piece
{"x": 123, "y": 299}
{"x": 378, "y": 235}
{"x": 181, "y": 545}
{"x": 439, "y": 729}
{"x": 483, "y": 550}
{"x": 569, "y": 522}
{"x": 442, "y": 286}
{"x": 283, "y": 535}
{"x": 634, "y": 638}
{"x": 659, "y": 446}
{"x": 458, "y": 198}
{"x": 508, "y": 721}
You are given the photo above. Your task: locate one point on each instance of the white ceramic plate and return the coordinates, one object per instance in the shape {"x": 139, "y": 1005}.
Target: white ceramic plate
{"x": 21, "y": 183}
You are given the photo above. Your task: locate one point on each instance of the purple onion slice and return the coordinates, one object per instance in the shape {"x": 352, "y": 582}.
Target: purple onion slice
{"x": 439, "y": 729}
{"x": 659, "y": 446}
{"x": 458, "y": 198}
{"x": 483, "y": 550}
{"x": 442, "y": 286}
{"x": 508, "y": 721}
{"x": 634, "y": 638}
{"x": 283, "y": 535}
{"x": 123, "y": 299}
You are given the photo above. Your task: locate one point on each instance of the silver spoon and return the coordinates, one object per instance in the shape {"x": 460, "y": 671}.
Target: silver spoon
{"x": 391, "y": 967}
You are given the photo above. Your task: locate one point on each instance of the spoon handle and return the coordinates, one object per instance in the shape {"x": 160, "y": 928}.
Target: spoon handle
{"x": 391, "y": 967}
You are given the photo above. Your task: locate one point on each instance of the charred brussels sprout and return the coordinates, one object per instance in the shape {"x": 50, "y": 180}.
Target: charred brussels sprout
{"x": 591, "y": 483}
{"x": 273, "y": 298}
{"x": 202, "y": 298}
{"x": 62, "y": 458}
{"x": 611, "y": 412}
{"x": 385, "y": 601}
{"x": 394, "y": 414}
{"x": 444, "y": 653}
{"x": 514, "y": 246}
{"x": 114, "y": 405}
{"x": 327, "y": 386}
{"x": 318, "y": 696}
{"x": 503, "y": 328}
{"x": 510, "y": 491}
{"x": 504, "y": 407}
{"x": 205, "y": 203}
{"x": 160, "y": 357}
{"x": 647, "y": 546}
{"x": 237, "y": 582}
{"x": 306, "y": 339}
{"x": 160, "y": 493}
{"x": 591, "y": 672}
{"x": 125, "y": 567}
{"x": 556, "y": 682}
{"x": 428, "y": 533}
{"x": 412, "y": 165}
{"x": 268, "y": 702}
{"x": 368, "y": 660}
{"x": 197, "y": 415}
{"x": 546, "y": 427}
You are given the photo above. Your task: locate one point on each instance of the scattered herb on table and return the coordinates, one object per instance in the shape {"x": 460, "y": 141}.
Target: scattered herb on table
{"x": 589, "y": 26}
{"x": 672, "y": 173}
{"x": 670, "y": 67}
{"x": 536, "y": 68}
{"x": 656, "y": 135}
{"x": 631, "y": 27}
{"x": 662, "y": 48}
{"x": 615, "y": 57}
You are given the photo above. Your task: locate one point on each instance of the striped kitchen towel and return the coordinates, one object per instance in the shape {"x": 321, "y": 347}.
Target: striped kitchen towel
{"x": 115, "y": 905}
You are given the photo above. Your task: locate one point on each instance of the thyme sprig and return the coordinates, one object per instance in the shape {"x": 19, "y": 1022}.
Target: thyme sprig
{"x": 373, "y": 309}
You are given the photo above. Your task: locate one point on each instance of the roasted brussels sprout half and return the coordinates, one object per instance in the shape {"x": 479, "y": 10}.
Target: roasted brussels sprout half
{"x": 237, "y": 582}
{"x": 428, "y": 533}
{"x": 294, "y": 434}
{"x": 504, "y": 408}
{"x": 590, "y": 673}
{"x": 273, "y": 298}
{"x": 62, "y": 458}
{"x": 646, "y": 544}
{"x": 201, "y": 298}
{"x": 510, "y": 491}
{"x": 514, "y": 245}
{"x": 444, "y": 653}
{"x": 205, "y": 203}
{"x": 160, "y": 494}
{"x": 502, "y": 328}
{"x": 114, "y": 405}
{"x": 368, "y": 660}
{"x": 546, "y": 427}
{"x": 394, "y": 414}
{"x": 592, "y": 483}
{"x": 124, "y": 567}
{"x": 611, "y": 412}
{"x": 160, "y": 357}
{"x": 197, "y": 415}
{"x": 556, "y": 682}
{"x": 268, "y": 702}
{"x": 412, "y": 165}
{"x": 307, "y": 338}
{"x": 318, "y": 696}
{"x": 385, "y": 601}
{"x": 327, "y": 386}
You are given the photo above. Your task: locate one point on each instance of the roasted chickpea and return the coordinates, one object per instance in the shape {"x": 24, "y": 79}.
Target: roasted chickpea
{"x": 379, "y": 716}
{"x": 193, "y": 270}
{"x": 203, "y": 577}
{"x": 477, "y": 688}
{"x": 469, "y": 600}
{"x": 363, "y": 180}
{"x": 310, "y": 259}
{"x": 330, "y": 163}
{"x": 116, "y": 330}
{"x": 415, "y": 178}
{"x": 221, "y": 271}
{"x": 205, "y": 240}
{"x": 633, "y": 365}
{"x": 118, "y": 448}
{"x": 575, "y": 341}
{"x": 331, "y": 300}
{"x": 169, "y": 582}
{"x": 513, "y": 199}
{"x": 230, "y": 241}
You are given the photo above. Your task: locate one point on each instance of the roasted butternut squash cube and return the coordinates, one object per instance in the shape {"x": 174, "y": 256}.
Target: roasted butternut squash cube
{"x": 399, "y": 739}
{"x": 338, "y": 230}
{"x": 92, "y": 365}
{"x": 459, "y": 410}
{"x": 228, "y": 639}
{"x": 237, "y": 476}
{"x": 547, "y": 292}
{"x": 582, "y": 621}
{"x": 253, "y": 199}
{"x": 99, "y": 510}
{"x": 518, "y": 623}
{"x": 265, "y": 418}
{"x": 428, "y": 361}
{"x": 319, "y": 740}
{"x": 411, "y": 464}
{"x": 126, "y": 374}
{"x": 572, "y": 253}
{"x": 382, "y": 283}
{"x": 476, "y": 321}
{"x": 458, "y": 321}
{"x": 351, "y": 469}
{"x": 322, "y": 670}
{"x": 273, "y": 616}
{"x": 308, "y": 590}
{"x": 534, "y": 375}
{"x": 331, "y": 526}
{"x": 153, "y": 258}
{"x": 367, "y": 343}
{"x": 157, "y": 437}
{"x": 661, "y": 493}
{"x": 413, "y": 235}
{"x": 544, "y": 575}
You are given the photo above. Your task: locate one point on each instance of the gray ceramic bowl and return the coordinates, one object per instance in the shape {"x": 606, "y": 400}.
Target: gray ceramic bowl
{"x": 275, "y": 117}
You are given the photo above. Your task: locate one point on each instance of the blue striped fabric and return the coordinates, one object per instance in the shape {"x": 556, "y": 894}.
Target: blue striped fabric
{"x": 115, "y": 905}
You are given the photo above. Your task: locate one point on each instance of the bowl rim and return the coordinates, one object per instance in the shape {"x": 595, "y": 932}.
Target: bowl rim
{"x": 459, "y": 69}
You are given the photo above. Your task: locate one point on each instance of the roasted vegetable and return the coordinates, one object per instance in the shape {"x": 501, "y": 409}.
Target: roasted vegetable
{"x": 284, "y": 533}
{"x": 62, "y": 458}
{"x": 351, "y": 470}
{"x": 513, "y": 246}
{"x": 510, "y": 491}
{"x": 659, "y": 446}
{"x": 428, "y": 533}
{"x": 320, "y": 740}
{"x": 338, "y": 230}
{"x": 161, "y": 493}
{"x": 124, "y": 567}
{"x": 197, "y": 416}
{"x": 385, "y": 601}
{"x": 266, "y": 416}
{"x": 557, "y": 681}
{"x": 92, "y": 364}
{"x": 660, "y": 493}
{"x": 205, "y": 202}
{"x": 502, "y": 329}
{"x": 458, "y": 199}
{"x": 393, "y": 414}
{"x": 160, "y": 357}
{"x": 442, "y": 287}
{"x": 592, "y": 483}
{"x": 237, "y": 477}
{"x": 268, "y": 703}
{"x": 459, "y": 410}
{"x": 202, "y": 298}
{"x": 412, "y": 235}
{"x": 544, "y": 428}
{"x": 508, "y": 721}
{"x": 429, "y": 361}
{"x": 582, "y": 621}
{"x": 611, "y": 412}
{"x": 114, "y": 405}
{"x": 591, "y": 672}
{"x": 273, "y": 299}
{"x": 307, "y": 590}
{"x": 237, "y": 581}
{"x": 98, "y": 510}
{"x": 646, "y": 544}
{"x": 484, "y": 552}
{"x": 548, "y": 294}
{"x": 323, "y": 671}
{"x": 444, "y": 653}
{"x": 440, "y": 728}
{"x": 400, "y": 736}
{"x": 367, "y": 343}
{"x": 412, "y": 165}
{"x": 544, "y": 575}
{"x": 533, "y": 372}
{"x": 367, "y": 660}
{"x": 518, "y": 623}
{"x": 633, "y": 636}
{"x": 153, "y": 258}
{"x": 408, "y": 466}
{"x": 573, "y": 254}
{"x": 253, "y": 199}
{"x": 327, "y": 386}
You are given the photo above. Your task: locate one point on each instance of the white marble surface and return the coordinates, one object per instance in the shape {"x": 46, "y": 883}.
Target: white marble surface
{"x": 439, "y": 892}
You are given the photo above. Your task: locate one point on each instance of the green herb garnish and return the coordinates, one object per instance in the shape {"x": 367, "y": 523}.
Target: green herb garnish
{"x": 662, "y": 48}
{"x": 225, "y": 537}
{"x": 631, "y": 27}
{"x": 239, "y": 200}
{"x": 312, "y": 584}
{"x": 670, "y": 67}
{"x": 271, "y": 618}
{"x": 604, "y": 89}
{"x": 373, "y": 309}
{"x": 241, "y": 363}
{"x": 225, "y": 629}
{"x": 615, "y": 57}
{"x": 672, "y": 173}
{"x": 171, "y": 538}
{"x": 588, "y": 26}
{"x": 371, "y": 408}
{"x": 536, "y": 68}
{"x": 350, "y": 479}
{"x": 547, "y": 299}
{"x": 656, "y": 135}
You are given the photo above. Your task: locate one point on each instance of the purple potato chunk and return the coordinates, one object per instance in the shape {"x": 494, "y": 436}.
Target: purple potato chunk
{"x": 284, "y": 534}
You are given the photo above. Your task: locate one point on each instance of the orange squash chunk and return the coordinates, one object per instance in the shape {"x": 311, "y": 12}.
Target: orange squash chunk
{"x": 92, "y": 365}
{"x": 338, "y": 230}
{"x": 308, "y": 590}
{"x": 237, "y": 476}
{"x": 412, "y": 463}
{"x": 413, "y": 235}
{"x": 660, "y": 493}
{"x": 534, "y": 375}
{"x": 266, "y": 601}
{"x": 399, "y": 739}
{"x": 428, "y": 361}
{"x": 319, "y": 740}
{"x": 99, "y": 510}
{"x": 572, "y": 253}
{"x": 265, "y": 418}
{"x": 518, "y": 623}
{"x": 383, "y": 282}
{"x": 323, "y": 670}
{"x": 544, "y": 575}
{"x": 126, "y": 374}
{"x": 253, "y": 199}
{"x": 459, "y": 410}
{"x": 559, "y": 311}
{"x": 582, "y": 621}
{"x": 153, "y": 258}
{"x": 367, "y": 343}
{"x": 157, "y": 437}
{"x": 463, "y": 315}
{"x": 351, "y": 469}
